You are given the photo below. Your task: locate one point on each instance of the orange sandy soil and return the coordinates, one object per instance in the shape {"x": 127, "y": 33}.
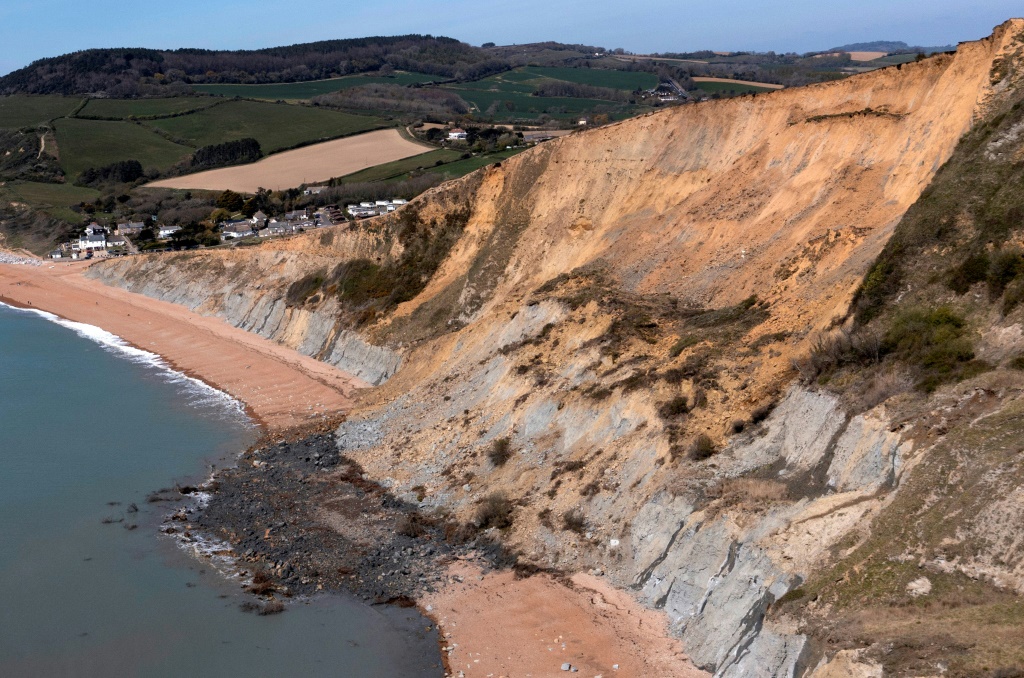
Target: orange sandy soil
{"x": 280, "y": 387}
{"x": 498, "y": 625}
{"x": 309, "y": 164}
{"x": 495, "y": 625}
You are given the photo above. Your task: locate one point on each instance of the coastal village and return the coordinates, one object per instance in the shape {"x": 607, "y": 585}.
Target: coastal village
{"x": 121, "y": 238}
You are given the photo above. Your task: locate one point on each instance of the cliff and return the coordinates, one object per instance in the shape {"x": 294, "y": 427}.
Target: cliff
{"x": 603, "y": 331}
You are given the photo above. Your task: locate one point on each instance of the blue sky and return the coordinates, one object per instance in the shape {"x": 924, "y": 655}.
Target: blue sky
{"x": 32, "y": 29}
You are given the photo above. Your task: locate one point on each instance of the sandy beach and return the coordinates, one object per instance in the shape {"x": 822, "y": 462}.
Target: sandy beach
{"x": 280, "y": 387}
{"x": 493, "y": 624}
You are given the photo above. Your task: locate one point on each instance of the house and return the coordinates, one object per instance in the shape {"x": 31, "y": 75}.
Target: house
{"x": 236, "y": 229}
{"x": 297, "y": 215}
{"x": 314, "y": 190}
{"x": 583, "y": 122}
{"x": 168, "y": 231}
{"x": 94, "y": 229}
{"x": 457, "y": 134}
{"x": 130, "y": 228}
{"x": 116, "y": 241}
{"x": 259, "y": 220}
{"x": 56, "y": 254}
{"x": 90, "y": 243}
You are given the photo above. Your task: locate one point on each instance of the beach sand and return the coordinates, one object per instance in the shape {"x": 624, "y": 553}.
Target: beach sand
{"x": 499, "y": 625}
{"x": 280, "y": 387}
{"x": 496, "y": 625}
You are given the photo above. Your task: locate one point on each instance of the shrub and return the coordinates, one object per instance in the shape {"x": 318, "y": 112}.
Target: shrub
{"x": 495, "y": 511}
{"x": 1006, "y": 266}
{"x": 702, "y": 447}
{"x": 761, "y": 413}
{"x": 737, "y": 426}
{"x": 500, "y": 452}
{"x": 974, "y": 269}
{"x": 676, "y": 407}
{"x": 573, "y": 521}
{"x": 933, "y": 342}
{"x": 1017, "y": 363}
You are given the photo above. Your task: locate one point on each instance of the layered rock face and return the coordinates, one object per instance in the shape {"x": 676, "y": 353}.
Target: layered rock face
{"x": 620, "y": 311}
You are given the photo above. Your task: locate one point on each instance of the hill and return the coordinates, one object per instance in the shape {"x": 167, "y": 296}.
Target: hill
{"x": 756, "y": 360}
{"x": 126, "y": 72}
{"x": 890, "y": 46}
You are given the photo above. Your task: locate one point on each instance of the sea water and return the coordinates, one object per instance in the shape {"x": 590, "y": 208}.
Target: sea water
{"x": 90, "y": 426}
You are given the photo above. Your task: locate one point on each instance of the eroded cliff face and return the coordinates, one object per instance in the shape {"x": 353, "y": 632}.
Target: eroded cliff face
{"x": 607, "y": 340}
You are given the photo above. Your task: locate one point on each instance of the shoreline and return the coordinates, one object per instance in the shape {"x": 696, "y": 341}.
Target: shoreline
{"x": 468, "y": 582}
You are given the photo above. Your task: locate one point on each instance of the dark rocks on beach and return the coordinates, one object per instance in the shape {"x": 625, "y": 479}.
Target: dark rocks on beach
{"x": 303, "y": 519}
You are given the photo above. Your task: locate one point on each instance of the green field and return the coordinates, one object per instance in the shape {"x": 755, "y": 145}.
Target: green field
{"x": 527, "y": 106}
{"x": 28, "y": 111}
{"x": 96, "y": 143}
{"x": 54, "y": 199}
{"x": 297, "y": 91}
{"x": 460, "y": 168}
{"x": 731, "y": 88}
{"x": 125, "y": 108}
{"x": 891, "y": 60}
{"x": 275, "y": 126}
{"x": 598, "y": 77}
{"x": 391, "y": 170}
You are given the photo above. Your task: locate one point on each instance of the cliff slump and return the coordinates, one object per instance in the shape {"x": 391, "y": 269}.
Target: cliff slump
{"x": 601, "y": 331}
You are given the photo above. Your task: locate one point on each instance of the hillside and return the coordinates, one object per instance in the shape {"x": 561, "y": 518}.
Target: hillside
{"x": 754, "y": 360}
{"x": 132, "y": 71}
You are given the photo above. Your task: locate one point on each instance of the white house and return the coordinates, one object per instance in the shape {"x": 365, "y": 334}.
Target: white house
{"x": 94, "y": 229}
{"x": 236, "y": 229}
{"x": 116, "y": 241}
{"x": 457, "y": 134}
{"x": 89, "y": 243}
{"x": 313, "y": 190}
{"x": 259, "y": 220}
{"x": 168, "y": 231}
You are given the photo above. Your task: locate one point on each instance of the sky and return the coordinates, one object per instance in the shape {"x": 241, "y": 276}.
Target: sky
{"x": 33, "y": 29}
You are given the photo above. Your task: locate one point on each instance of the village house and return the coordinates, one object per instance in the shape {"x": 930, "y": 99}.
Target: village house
{"x": 372, "y": 209}
{"x": 314, "y": 190}
{"x": 236, "y": 229}
{"x": 116, "y": 241}
{"x": 92, "y": 243}
{"x": 130, "y": 228}
{"x": 167, "y": 231}
{"x": 259, "y": 220}
{"x": 457, "y": 134}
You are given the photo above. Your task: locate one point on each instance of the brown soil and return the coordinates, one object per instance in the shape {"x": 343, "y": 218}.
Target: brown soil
{"x": 310, "y": 164}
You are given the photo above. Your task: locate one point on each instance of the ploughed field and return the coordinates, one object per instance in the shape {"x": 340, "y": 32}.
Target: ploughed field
{"x": 304, "y": 165}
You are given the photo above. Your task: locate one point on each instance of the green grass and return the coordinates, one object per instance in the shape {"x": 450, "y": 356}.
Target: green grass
{"x": 598, "y": 77}
{"x": 891, "y": 59}
{"x": 460, "y": 168}
{"x": 275, "y": 126}
{"x": 297, "y": 91}
{"x": 96, "y": 143}
{"x": 731, "y": 88}
{"x": 526, "y": 106}
{"x": 124, "y": 108}
{"x": 54, "y": 199}
{"x": 391, "y": 170}
{"x": 28, "y": 111}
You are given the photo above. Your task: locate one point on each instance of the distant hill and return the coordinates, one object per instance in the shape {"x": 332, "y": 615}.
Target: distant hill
{"x": 129, "y": 71}
{"x": 890, "y": 46}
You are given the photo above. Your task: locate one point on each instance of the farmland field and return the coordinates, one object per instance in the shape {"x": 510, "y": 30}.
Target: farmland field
{"x": 598, "y": 77}
{"x": 527, "y": 106}
{"x": 96, "y": 143}
{"x": 28, "y": 111}
{"x": 310, "y": 164}
{"x": 738, "y": 86}
{"x": 462, "y": 167}
{"x": 297, "y": 91}
{"x": 275, "y": 126}
{"x": 124, "y": 108}
{"x": 397, "y": 168}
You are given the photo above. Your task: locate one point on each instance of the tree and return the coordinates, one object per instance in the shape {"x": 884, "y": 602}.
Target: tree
{"x": 230, "y": 201}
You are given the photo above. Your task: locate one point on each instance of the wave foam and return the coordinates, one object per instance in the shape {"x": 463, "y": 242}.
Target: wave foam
{"x": 200, "y": 394}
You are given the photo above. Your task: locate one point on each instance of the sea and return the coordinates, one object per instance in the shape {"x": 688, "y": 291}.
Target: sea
{"x": 90, "y": 426}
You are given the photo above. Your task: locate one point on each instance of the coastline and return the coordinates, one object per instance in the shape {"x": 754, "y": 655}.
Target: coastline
{"x": 279, "y": 387}
{"x": 459, "y": 587}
